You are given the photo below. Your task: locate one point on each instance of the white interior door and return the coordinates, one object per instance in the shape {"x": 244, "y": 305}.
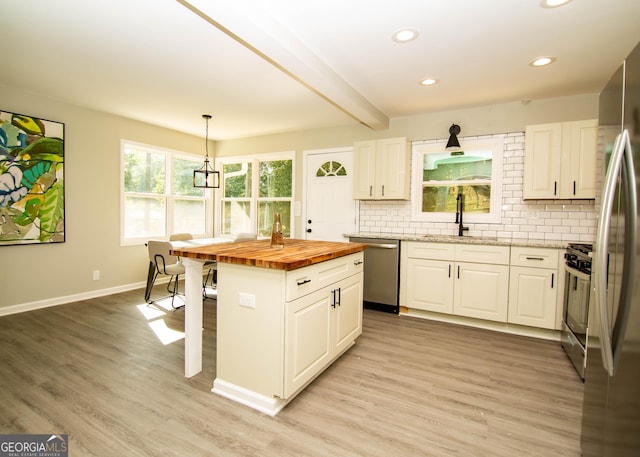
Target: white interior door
{"x": 329, "y": 210}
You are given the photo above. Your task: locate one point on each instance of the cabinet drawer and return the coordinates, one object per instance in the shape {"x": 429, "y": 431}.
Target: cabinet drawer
{"x": 481, "y": 253}
{"x": 306, "y": 280}
{"x": 434, "y": 251}
{"x": 534, "y": 257}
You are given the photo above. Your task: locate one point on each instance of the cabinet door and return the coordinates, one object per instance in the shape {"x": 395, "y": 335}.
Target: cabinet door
{"x": 347, "y": 313}
{"x": 307, "y": 342}
{"x": 392, "y": 177}
{"x": 430, "y": 285}
{"x": 481, "y": 291}
{"x": 364, "y": 157}
{"x": 542, "y": 151}
{"x": 579, "y": 178}
{"x": 532, "y": 296}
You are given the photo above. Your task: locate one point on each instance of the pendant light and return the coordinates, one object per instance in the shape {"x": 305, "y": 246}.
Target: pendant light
{"x": 206, "y": 176}
{"x": 453, "y": 145}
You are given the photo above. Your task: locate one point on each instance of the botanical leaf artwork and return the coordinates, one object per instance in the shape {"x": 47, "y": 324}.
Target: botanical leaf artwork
{"x": 31, "y": 180}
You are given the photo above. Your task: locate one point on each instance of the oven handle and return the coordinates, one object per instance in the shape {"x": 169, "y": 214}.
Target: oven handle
{"x": 580, "y": 274}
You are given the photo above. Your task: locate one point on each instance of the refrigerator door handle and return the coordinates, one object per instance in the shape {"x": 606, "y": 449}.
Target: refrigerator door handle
{"x": 621, "y": 151}
{"x": 630, "y": 239}
{"x": 602, "y": 241}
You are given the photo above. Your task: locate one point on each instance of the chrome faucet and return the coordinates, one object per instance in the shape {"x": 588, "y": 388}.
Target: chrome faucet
{"x": 459, "y": 211}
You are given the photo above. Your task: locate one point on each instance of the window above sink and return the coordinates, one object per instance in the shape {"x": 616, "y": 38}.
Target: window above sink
{"x": 439, "y": 176}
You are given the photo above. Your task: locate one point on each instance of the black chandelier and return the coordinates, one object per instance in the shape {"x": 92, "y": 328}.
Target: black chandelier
{"x": 207, "y": 176}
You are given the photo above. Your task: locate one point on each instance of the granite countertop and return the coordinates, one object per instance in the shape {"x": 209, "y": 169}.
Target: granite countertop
{"x": 554, "y": 244}
{"x": 295, "y": 254}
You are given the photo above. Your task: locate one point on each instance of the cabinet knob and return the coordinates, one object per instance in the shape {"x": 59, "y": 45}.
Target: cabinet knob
{"x": 309, "y": 221}
{"x": 309, "y": 230}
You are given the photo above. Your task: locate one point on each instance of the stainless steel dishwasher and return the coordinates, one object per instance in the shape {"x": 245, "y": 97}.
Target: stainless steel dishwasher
{"x": 381, "y": 273}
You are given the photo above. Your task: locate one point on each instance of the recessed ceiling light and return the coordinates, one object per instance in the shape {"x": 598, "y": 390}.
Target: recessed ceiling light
{"x": 405, "y": 35}
{"x": 553, "y": 3}
{"x": 428, "y": 82}
{"x": 542, "y": 61}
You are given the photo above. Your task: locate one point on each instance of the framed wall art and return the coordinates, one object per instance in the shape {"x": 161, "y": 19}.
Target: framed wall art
{"x": 31, "y": 180}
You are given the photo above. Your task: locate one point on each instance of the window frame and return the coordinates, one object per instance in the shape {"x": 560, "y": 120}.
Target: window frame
{"x": 495, "y": 143}
{"x": 255, "y": 199}
{"x": 167, "y": 196}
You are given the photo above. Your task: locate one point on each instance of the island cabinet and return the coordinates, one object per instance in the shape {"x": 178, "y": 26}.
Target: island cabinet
{"x": 461, "y": 279}
{"x": 533, "y": 287}
{"x": 277, "y": 330}
{"x": 381, "y": 169}
{"x": 560, "y": 160}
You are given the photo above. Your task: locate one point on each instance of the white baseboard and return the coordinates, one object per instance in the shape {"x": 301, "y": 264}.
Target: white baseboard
{"x": 31, "y": 306}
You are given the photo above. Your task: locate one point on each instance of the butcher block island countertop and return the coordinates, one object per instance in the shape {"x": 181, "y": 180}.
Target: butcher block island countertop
{"x": 295, "y": 254}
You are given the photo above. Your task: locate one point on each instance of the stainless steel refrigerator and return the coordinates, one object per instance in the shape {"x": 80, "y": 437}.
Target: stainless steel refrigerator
{"x": 611, "y": 412}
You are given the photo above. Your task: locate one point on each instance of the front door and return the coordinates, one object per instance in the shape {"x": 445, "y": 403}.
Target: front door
{"x": 329, "y": 210}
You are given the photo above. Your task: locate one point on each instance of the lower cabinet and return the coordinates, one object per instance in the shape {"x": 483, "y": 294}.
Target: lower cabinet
{"x": 464, "y": 288}
{"x": 481, "y": 291}
{"x": 319, "y": 327}
{"x": 534, "y": 284}
{"x": 514, "y": 285}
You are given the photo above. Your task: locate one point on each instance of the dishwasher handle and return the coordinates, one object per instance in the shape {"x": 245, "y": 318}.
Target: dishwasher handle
{"x": 381, "y": 245}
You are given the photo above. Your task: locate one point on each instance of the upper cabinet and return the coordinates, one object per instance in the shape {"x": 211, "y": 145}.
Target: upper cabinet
{"x": 560, "y": 160}
{"x": 381, "y": 169}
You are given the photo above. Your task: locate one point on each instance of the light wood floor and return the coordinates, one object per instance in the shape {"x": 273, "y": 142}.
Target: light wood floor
{"x": 409, "y": 387}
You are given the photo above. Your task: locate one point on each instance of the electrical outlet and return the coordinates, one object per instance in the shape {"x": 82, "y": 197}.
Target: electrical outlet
{"x": 247, "y": 300}
{"x": 96, "y": 275}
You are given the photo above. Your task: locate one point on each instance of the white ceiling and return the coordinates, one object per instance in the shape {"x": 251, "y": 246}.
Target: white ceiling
{"x": 264, "y": 67}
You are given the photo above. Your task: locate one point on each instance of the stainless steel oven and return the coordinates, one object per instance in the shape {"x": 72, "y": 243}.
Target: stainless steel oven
{"x": 576, "y": 303}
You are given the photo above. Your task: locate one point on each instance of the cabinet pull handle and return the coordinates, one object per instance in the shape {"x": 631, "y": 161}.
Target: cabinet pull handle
{"x": 458, "y": 271}
{"x": 358, "y": 262}
{"x": 574, "y": 187}
{"x": 304, "y": 281}
{"x": 383, "y": 190}
{"x": 339, "y": 295}
{"x": 555, "y": 187}
{"x": 370, "y": 191}
{"x": 535, "y": 258}
{"x": 336, "y": 297}
{"x": 552, "y": 278}
{"x": 449, "y": 270}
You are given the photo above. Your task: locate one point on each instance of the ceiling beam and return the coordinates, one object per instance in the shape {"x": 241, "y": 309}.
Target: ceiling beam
{"x": 259, "y": 32}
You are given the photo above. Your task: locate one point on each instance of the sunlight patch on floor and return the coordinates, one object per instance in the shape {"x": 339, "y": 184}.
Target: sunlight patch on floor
{"x": 165, "y": 334}
{"x": 153, "y": 313}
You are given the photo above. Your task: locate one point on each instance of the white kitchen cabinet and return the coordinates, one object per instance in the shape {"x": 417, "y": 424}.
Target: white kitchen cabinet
{"x": 481, "y": 291}
{"x": 319, "y": 327}
{"x": 560, "y": 160}
{"x": 533, "y": 287}
{"x": 461, "y": 279}
{"x": 277, "y": 330}
{"x": 429, "y": 285}
{"x": 381, "y": 169}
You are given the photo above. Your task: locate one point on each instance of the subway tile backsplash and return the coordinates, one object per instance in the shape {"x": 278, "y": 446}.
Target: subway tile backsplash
{"x": 558, "y": 220}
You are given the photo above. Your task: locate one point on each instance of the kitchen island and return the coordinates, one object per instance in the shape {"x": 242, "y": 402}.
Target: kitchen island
{"x": 283, "y": 315}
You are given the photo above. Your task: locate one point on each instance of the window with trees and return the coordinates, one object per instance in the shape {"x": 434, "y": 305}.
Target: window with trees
{"x": 475, "y": 173}
{"x": 253, "y": 190}
{"x": 157, "y": 194}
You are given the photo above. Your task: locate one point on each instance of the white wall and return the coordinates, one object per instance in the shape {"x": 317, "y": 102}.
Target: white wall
{"x": 41, "y": 275}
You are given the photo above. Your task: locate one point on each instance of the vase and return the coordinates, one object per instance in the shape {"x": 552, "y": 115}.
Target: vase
{"x": 277, "y": 239}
